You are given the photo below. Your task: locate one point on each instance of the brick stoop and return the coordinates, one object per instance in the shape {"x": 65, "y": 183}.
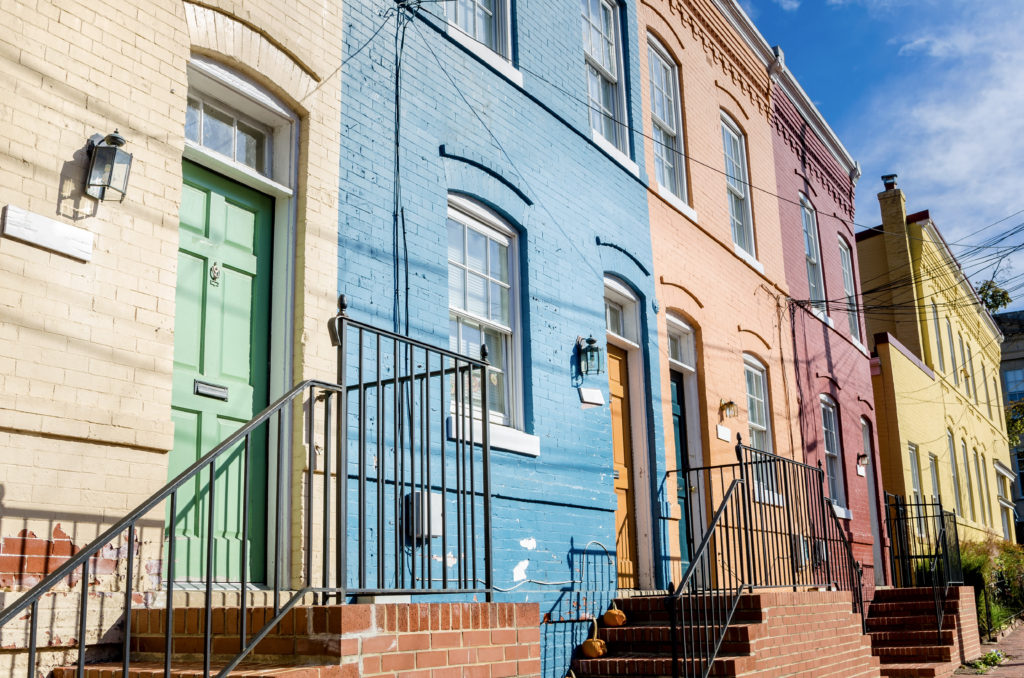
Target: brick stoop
{"x": 773, "y": 634}
{"x": 901, "y": 623}
{"x": 489, "y": 640}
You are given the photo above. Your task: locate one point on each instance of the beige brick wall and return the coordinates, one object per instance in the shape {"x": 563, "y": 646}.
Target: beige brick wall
{"x": 86, "y": 349}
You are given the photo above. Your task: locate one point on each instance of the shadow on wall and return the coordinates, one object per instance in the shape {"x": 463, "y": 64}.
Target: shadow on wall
{"x": 70, "y": 194}
{"x": 567, "y": 623}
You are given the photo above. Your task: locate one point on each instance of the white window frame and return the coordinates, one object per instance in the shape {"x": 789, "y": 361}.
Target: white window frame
{"x": 981, "y": 493}
{"x": 744, "y": 220}
{"x": 988, "y": 394}
{"x": 951, "y": 442}
{"x": 474, "y": 216}
{"x": 680, "y": 330}
{"x": 938, "y": 336}
{"x": 591, "y": 62}
{"x": 766, "y": 487}
{"x": 988, "y": 490}
{"x": 970, "y": 485}
{"x": 850, "y": 290}
{"x": 952, "y": 353}
{"x": 834, "y": 466}
{"x": 659, "y": 57}
{"x": 500, "y": 41}
{"x": 812, "y": 255}
{"x": 963, "y": 364}
{"x": 974, "y": 380}
{"x": 936, "y": 488}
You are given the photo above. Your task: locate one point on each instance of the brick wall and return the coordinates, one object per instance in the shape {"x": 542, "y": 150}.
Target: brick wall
{"x": 968, "y": 639}
{"x": 829, "y": 359}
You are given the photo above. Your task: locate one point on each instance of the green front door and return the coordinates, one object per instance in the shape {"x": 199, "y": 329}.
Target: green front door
{"x": 221, "y": 336}
{"x": 683, "y": 464}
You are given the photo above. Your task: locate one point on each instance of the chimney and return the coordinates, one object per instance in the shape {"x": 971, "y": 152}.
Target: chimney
{"x": 890, "y": 181}
{"x": 894, "y": 206}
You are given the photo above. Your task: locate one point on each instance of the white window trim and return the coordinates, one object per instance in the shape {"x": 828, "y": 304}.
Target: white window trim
{"x": 502, "y": 437}
{"x": 679, "y": 164}
{"x": 622, "y": 131}
{"x": 748, "y": 257}
{"x": 762, "y": 493}
{"x": 488, "y": 219}
{"x": 938, "y": 336}
{"x": 853, "y": 314}
{"x": 487, "y": 55}
{"x": 620, "y": 293}
{"x": 672, "y": 199}
{"x": 823, "y": 402}
{"x": 727, "y": 121}
{"x": 805, "y": 207}
{"x": 503, "y": 30}
{"x": 617, "y": 155}
{"x": 676, "y": 325}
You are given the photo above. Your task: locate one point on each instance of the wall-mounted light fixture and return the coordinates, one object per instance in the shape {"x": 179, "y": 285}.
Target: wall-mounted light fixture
{"x": 589, "y": 356}
{"x": 862, "y": 459}
{"x": 728, "y": 408}
{"x": 109, "y": 167}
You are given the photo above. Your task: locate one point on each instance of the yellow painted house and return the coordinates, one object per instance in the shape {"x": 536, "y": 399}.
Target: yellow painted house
{"x": 940, "y": 419}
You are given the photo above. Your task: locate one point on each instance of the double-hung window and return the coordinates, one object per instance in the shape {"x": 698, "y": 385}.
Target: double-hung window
{"x": 967, "y": 473}
{"x": 666, "y": 120}
{"x": 963, "y": 365}
{"x": 938, "y": 336}
{"x": 833, "y": 451}
{"x": 601, "y": 50}
{"x": 952, "y": 353}
{"x": 956, "y": 473}
{"x": 485, "y": 21}
{"x": 737, "y": 186}
{"x": 988, "y": 394}
{"x": 974, "y": 381}
{"x": 759, "y": 425}
{"x": 812, "y": 254}
{"x": 482, "y": 298}
{"x": 849, "y": 290}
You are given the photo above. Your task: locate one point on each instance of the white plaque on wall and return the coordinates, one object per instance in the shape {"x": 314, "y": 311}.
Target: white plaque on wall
{"x": 724, "y": 433}
{"x": 50, "y": 234}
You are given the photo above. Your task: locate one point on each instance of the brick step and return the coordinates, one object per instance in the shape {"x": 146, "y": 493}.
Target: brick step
{"x": 640, "y": 664}
{"x": 920, "y": 593}
{"x": 909, "y": 638}
{"x": 906, "y": 607}
{"x": 850, "y": 666}
{"x": 919, "y": 670}
{"x": 195, "y": 670}
{"x": 788, "y": 659}
{"x": 911, "y": 623}
{"x": 914, "y": 653}
{"x": 660, "y": 634}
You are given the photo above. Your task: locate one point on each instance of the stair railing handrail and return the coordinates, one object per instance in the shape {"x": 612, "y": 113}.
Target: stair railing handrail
{"x": 74, "y": 562}
{"x": 856, "y": 572}
{"x": 710, "y": 647}
{"x": 940, "y": 585}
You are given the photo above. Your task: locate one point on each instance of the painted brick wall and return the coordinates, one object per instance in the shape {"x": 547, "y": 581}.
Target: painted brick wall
{"x": 829, "y": 360}
{"x": 549, "y": 511}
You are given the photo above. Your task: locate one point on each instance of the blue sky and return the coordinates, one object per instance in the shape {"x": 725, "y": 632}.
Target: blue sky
{"x": 932, "y": 90}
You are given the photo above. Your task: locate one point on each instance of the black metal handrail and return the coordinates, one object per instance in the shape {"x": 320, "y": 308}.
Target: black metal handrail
{"x": 850, "y": 570}
{"x": 914, "y": 532}
{"x": 940, "y": 581}
{"x": 398, "y": 458}
{"x": 701, "y": 608}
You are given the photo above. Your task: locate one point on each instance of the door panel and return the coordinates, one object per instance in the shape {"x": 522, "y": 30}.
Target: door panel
{"x": 622, "y": 446}
{"x": 222, "y": 325}
{"x": 682, "y": 464}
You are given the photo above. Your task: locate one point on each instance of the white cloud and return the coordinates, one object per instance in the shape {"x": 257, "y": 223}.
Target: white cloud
{"x": 951, "y": 126}
{"x": 788, "y": 5}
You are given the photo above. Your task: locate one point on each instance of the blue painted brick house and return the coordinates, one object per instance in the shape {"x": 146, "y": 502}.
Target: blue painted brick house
{"x": 520, "y": 226}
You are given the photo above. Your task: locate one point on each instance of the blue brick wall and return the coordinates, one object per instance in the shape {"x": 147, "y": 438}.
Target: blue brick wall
{"x": 538, "y": 140}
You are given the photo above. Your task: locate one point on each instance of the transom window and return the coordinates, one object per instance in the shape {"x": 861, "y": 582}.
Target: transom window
{"x": 620, "y": 310}
{"x": 682, "y": 351}
{"x": 603, "y": 59}
{"x": 485, "y": 21}
{"x": 738, "y": 188}
{"x": 481, "y": 298}
{"x": 833, "y": 451}
{"x": 666, "y": 119}
{"x": 849, "y": 289}
{"x": 218, "y": 128}
{"x": 812, "y": 253}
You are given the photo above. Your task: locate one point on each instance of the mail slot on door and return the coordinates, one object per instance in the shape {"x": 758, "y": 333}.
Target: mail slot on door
{"x": 208, "y": 390}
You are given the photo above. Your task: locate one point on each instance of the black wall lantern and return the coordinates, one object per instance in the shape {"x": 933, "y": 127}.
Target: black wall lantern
{"x": 590, "y": 356}
{"x": 109, "y": 166}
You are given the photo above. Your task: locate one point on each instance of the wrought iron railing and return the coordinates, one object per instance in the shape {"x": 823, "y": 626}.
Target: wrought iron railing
{"x": 701, "y": 608}
{"x": 915, "y": 530}
{"x": 398, "y": 468}
{"x": 762, "y": 522}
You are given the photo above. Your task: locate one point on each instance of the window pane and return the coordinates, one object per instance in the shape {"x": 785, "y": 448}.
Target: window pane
{"x": 250, "y": 147}
{"x": 499, "y": 261}
{"x": 192, "y": 116}
{"x": 476, "y": 294}
{"x": 218, "y": 131}
{"x": 476, "y": 250}
{"x": 613, "y": 317}
{"x": 499, "y": 304}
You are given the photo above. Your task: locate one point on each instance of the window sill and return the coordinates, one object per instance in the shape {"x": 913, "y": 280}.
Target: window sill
{"x": 821, "y": 315}
{"x": 763, "y": 495}
{"x": 502, "y": 438}
{"x": 487, "y": 55}
{"x": 749, "y": 258}
{"x": 612, "y": 150}
{"x": 844, "y": 513}
{"x": 860, "y": 347}
{"x": 677, "y": 202}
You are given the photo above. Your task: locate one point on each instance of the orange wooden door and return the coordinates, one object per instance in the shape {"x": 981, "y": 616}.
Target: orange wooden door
{"x": 622, "y": 444}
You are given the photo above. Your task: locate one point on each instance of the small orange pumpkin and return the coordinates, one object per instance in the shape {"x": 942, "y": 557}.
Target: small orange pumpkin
{"x": 594, "y": 647}
{"x": 614, "y": 616}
